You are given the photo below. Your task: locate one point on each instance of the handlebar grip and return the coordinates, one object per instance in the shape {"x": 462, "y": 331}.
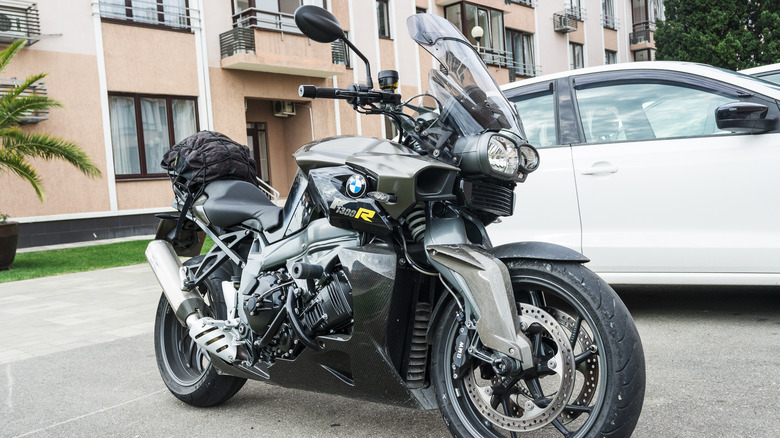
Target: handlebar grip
{"x": 313, "y": 92}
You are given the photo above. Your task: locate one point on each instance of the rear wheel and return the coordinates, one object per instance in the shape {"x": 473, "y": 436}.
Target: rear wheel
{"x": 185, "y": 368}
{"x": 589, "y": 373}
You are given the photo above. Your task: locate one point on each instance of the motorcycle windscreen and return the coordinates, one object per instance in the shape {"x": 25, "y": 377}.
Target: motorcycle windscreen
{"x": 464, "y": 87}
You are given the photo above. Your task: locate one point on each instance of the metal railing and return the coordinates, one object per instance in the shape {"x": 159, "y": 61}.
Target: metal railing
{"x": 504, "y": 59}
{"x": 529, "y": 3}
{"x": 575, "y": 12}
{"x": 609, "y": 21}
{"x": 36, "y": 89}
{"x": 19, "y": 20}
{"x": 236, "y": 41}
{"x": 151, "y": 12}
{"x": 255, "y": 18}
{"x": 269, "y": 191}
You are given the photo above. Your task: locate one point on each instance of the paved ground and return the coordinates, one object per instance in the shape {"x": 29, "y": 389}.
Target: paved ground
{"x": 76, "y": 360}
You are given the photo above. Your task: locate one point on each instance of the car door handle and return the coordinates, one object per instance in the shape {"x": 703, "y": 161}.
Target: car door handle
{"x": 600, "y": 169}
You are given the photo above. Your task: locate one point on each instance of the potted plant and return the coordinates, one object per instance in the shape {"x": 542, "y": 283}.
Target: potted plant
{"x": 17, "y": 146}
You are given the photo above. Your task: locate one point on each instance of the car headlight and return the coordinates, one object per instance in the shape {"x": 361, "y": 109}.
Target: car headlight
{"x": 502, "y": 155}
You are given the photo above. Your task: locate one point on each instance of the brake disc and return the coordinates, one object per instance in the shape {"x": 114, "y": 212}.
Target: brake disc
{"x": 589, "y": 368}
{"x": 526, "y": 415}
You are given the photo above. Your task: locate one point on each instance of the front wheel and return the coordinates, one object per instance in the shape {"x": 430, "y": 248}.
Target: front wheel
{"x": 185, "y": 368}
{"x": 588, "y": 377}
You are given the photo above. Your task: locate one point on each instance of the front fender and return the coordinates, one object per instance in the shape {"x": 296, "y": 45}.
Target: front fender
{"x": 537, "y": 250}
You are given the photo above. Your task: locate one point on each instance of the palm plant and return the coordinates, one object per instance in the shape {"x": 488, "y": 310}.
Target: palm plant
{"x": 18, "y": 146}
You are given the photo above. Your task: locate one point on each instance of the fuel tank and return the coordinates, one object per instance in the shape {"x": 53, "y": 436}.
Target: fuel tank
{"x": 390, "y": 168}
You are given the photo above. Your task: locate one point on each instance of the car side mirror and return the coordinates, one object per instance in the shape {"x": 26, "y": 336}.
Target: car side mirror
{"x": 745, "y": 117}
{"x": 318, "y": 24}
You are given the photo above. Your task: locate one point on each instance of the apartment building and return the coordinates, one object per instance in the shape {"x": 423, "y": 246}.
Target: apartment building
{"x": 136, "y": 76}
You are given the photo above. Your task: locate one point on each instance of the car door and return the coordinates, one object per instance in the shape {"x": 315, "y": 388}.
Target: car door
{"x": 662, "y": 189}
{"x": 546, "y": 203}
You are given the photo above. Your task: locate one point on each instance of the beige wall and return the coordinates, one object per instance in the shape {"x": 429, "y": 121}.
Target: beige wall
{"x": 72, "y": 80}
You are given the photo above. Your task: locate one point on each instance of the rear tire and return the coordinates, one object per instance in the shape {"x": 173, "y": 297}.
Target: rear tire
{"x": 185, "y": 368}
{"x": 609, "y": 382}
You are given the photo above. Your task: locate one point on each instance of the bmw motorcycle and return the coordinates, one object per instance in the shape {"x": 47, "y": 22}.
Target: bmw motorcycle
{"x": 377, "y": 279}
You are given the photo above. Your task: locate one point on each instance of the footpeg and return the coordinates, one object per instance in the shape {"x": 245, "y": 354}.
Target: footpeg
{"x": 214, "y": 339}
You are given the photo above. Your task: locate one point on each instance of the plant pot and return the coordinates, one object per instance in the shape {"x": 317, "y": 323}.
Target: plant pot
{"x": 9, "y": 237}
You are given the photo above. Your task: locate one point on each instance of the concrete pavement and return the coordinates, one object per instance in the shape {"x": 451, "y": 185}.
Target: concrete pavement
{"x": 46, "y": 315}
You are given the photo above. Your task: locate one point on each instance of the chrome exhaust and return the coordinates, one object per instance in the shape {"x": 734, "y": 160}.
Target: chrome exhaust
{"x": 212, "y": 335}
{"x": 170, "y": 274}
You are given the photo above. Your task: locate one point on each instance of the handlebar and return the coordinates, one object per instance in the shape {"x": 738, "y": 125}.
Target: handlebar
{"x": 354, "y": 95}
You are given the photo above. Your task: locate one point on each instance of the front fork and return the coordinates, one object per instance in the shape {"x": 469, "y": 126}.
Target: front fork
{"x": 482, "y": 280}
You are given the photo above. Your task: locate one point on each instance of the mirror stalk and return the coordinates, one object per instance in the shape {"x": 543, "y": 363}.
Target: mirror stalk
{"x": 369, "y": 82}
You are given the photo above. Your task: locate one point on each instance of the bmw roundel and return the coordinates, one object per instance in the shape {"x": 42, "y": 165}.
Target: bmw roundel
{"x": 356, "y": 186}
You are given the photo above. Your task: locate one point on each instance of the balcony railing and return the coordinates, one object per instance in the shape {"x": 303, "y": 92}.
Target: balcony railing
{"x": 258, "y": 19}
{"x": 36, "y": 89}
{"x": 236, "y": 41}
{"x": 151, "y": 12}
{"x": 529, "y": 3}
{"x": 506, "y": 60}
{"x": 609, "y": 21}
{"x": 19, "y": 20}
{"x": 575, "y": 12}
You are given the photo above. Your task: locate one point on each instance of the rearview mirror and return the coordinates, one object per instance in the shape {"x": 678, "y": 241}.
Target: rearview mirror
{"x": 746, "y": 117}
{"x": 318, "y": 24}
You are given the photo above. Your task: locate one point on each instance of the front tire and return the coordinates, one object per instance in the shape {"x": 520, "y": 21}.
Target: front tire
{"x": 607, "y": 389}
{"x": 185, "y": 368}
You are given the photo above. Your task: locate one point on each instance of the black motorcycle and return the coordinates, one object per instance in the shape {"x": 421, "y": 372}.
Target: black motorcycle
{"x": 377, "y": 279}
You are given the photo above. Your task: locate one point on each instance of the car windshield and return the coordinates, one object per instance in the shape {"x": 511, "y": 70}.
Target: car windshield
{"x": 469, "y": 96}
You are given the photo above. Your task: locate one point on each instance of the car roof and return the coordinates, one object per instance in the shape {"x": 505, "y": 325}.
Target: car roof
{"x": 703, "y": 70}
{"x": 762, "y": 69}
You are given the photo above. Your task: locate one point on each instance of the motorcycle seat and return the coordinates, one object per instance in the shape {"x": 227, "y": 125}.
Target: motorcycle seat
{"x": 231, "y": 203}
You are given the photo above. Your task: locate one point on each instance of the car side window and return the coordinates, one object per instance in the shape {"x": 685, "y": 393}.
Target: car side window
{"x": 645, "y": 111}
{"x": 537, "y": 112}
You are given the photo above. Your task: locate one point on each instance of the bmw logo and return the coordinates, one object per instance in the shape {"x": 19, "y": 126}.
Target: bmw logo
{"x": 356, "y": 186}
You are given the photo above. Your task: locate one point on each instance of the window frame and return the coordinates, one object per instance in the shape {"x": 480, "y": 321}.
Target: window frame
{"x": 501, "y": 41}
{"x": 573, "y": 55}
{"x": 510, "y": 46}
{"x": 388, "y": 35}
{"x": 139, "y": 130}
{"x": 161, "y": 24}
{"x": 607, "y": 54}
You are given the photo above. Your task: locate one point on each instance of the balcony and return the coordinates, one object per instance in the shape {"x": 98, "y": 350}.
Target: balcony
{"x": 154, "y": 13}
{"x": 642, "y": 34}
{"x": 19, "y": 20}
{"x": 575, "y": 12}
{"x": 609, "y": 22}
{"x": 506, "y": 60}
{"x": 562, "y": 23}
{"x": 36, "y": 89}
{"x": 271, "y": 42}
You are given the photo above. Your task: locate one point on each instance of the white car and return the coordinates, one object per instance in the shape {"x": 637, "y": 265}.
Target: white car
{"x": 769, "y": 72}
{"x": 636, "y": 174}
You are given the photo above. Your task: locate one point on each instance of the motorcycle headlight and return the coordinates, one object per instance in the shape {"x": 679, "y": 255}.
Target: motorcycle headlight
{"x": 502, "y": 155}
{"x": 529, "y": 158}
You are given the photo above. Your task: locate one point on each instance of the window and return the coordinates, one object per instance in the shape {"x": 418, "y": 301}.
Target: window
{"x": 609, "y": 20}
{"x": 576, "y": 58}
{"x": 610, "y": 57}
{"x": 257, "y": 141}
{"x": 646, "y": 12}
{"x": 537, "y": 113}
{"x": 143, "y": 127}
{"x": 649, "y": 110}
{"x": 383, "y": 18}
{"x": 419, "y": 10}
{"x": 466, "y": 17}
{"x": 341, "y": 53}
{"x": 166, "y": 13}
{"x": 575, "y": 10}
{"x": 643, "y": 55}
{"x": 521, "y": 45}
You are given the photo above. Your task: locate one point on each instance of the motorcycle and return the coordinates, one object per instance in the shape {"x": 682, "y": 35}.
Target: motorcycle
{"x": 377, "y": 279}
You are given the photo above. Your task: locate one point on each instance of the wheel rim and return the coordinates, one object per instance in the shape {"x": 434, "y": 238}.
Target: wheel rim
{"x": 586, "y": 395}
{"x": 185, "y": 362}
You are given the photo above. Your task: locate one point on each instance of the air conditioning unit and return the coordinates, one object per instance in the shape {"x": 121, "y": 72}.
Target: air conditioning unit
{"x": 283, "y": 108}
{"x": 564, "y": 23}
{"x": 19, "y": 19}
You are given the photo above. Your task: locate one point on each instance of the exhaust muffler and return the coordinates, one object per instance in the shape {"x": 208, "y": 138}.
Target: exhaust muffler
{"x": 212, "y": 335}
{"x": 169, "y": 272}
